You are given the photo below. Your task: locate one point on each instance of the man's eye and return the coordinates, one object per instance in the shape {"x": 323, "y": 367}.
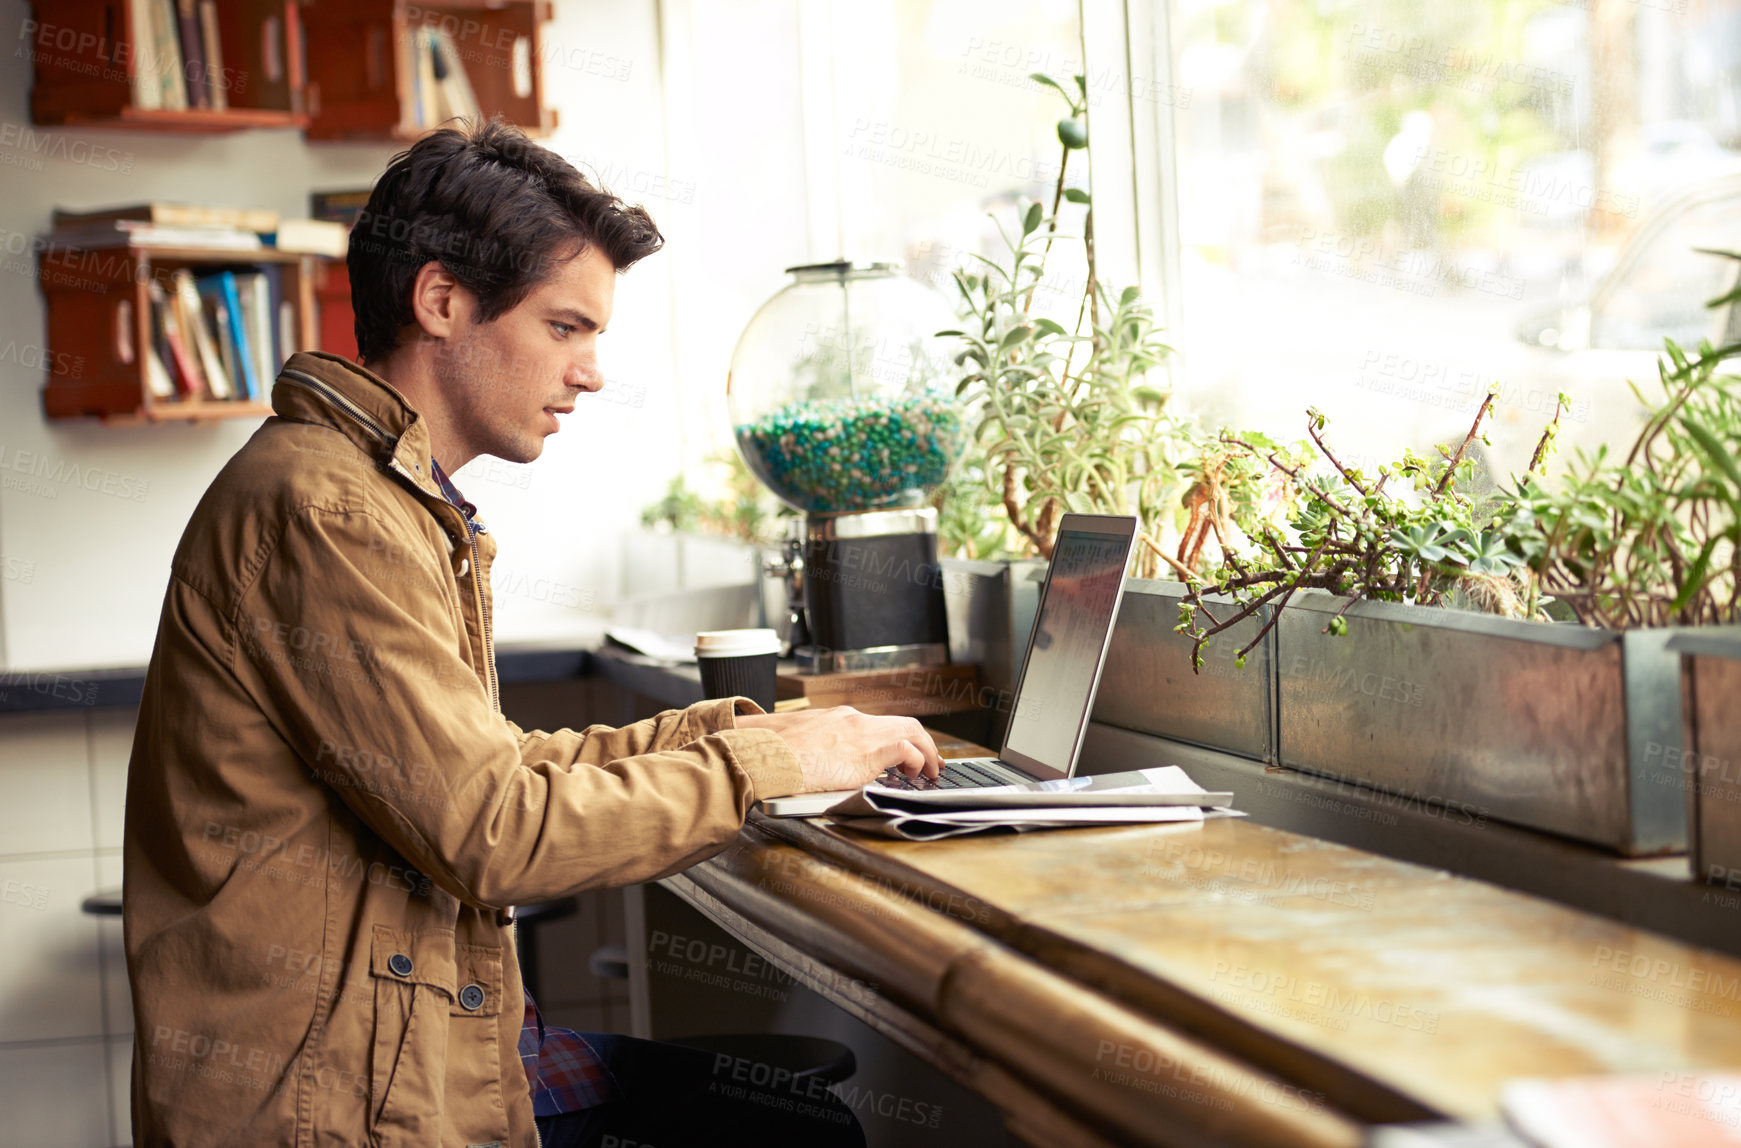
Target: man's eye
{"x": 562, "y": 329}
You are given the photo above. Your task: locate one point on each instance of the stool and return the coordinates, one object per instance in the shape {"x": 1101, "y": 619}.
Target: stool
{"x": 102, "y": 903}
{"x": 805, "y": 1057}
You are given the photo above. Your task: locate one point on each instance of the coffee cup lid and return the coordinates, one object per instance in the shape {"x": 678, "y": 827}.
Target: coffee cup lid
{"x": 735, "y": 643}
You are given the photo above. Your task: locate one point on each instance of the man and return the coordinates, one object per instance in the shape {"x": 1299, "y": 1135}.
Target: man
{"x": 328, "y": 818}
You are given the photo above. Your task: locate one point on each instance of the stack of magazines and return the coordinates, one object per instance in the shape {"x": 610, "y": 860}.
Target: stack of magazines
{"x": 1144, "y": 796}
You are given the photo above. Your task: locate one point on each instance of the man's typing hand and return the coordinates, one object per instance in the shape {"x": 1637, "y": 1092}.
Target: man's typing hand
{"x": 840, "y": 748}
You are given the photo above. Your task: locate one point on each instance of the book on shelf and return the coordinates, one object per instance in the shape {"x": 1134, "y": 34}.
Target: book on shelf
{"x": 440, "y": 88}
{"x": 217, "y": 80}
{"x": 259, "y": 293}
{"x": 339, "y": 206}
{"x": 183, "y": 367}
{"x": 312, "y": 237}
{"x": 164, "y": 214}
{"x": 159, "y": 364}
{"x": 215, "y": 310}
{"x": 157, "y": 378}
{"x": 453, "y": 88}
{"x": 223, "y": 314}
{"x": 144, "y": 79}
{"x": 196, "y": 329}
{"x": 193, "y": 54}
{"x": 246, "y": 345}
{"x": 133, "y": 233}
{"x": 164, "y": 36}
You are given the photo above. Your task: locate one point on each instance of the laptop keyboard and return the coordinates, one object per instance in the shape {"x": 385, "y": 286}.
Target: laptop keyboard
{"x": 955, "y": 775}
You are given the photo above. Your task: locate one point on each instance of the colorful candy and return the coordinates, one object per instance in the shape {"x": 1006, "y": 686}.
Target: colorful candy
{"x": 827, "y": 456}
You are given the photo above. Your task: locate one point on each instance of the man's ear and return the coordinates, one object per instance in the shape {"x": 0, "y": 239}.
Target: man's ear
{"x": 435, "y": 300}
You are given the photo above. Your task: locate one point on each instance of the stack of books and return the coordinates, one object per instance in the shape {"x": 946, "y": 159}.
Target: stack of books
{"x": 179, "y": 62}
{"x": 164, "y": 225}
{"x": 179, "y": 59}
{"x": 185, "y": 225}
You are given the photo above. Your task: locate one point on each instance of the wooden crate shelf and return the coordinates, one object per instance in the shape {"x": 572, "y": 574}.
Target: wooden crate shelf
{"x": 358, "y": 86}
{"x": 85, "y": 53}
{"x": 99, "y": 317}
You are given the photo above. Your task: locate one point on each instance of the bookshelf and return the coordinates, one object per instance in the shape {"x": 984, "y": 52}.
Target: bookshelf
{"x": 92, "y": 58}
{"x": 338, "y": 69}
{"x": 364, "y": 83}
{"x": 100, "y": 327}
{"x": 332, "y": 294}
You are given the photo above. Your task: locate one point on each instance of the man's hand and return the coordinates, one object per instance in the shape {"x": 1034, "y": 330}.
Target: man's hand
{"x": 840, "y": 748}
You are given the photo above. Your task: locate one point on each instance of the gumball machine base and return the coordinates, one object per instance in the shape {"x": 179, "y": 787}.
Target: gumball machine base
{"x": 873, "y": 592}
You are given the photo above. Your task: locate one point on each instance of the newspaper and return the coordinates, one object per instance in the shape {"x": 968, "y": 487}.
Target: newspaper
{"x": 1163, "y": 794}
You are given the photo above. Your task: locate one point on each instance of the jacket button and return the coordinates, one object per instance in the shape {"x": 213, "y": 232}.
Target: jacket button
{"x": 400, "y": 964}
{"x": 471, "y": 998}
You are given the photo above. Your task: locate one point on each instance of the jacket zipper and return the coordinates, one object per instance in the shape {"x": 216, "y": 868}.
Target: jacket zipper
{"x": 380, "y": 432}
{"x": 338, "y": 400}
{"x": 484, "y": 617}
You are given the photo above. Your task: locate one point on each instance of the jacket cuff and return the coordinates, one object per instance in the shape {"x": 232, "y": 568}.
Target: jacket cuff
{"x": 714, "y": 715}
{"x": 766, "y": 758}
{"x": 762, "y": 754}
{"x": 707, "y": 717}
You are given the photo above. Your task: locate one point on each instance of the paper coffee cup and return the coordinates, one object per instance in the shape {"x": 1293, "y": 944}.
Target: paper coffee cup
{"x": 739, "y": 663}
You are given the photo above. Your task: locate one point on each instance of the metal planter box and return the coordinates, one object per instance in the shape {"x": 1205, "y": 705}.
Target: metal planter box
{"x": 1554, "y": 727}
{"x": 990, "y": 607}
{"x": 1711, "y": 766}
{"x": 1148, "y": 685}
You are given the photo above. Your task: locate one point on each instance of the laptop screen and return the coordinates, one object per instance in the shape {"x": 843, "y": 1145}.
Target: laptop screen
{"x": 1064, "y": 655}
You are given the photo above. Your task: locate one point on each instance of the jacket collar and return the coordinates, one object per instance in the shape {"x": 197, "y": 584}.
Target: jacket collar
{"x": 327, "y": 390}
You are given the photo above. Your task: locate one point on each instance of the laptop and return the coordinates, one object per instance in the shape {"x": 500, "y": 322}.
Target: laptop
{"x": 1060, "y": 672}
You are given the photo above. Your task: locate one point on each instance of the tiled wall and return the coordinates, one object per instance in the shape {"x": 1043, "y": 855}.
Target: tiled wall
{"x": 66, "y": 1021}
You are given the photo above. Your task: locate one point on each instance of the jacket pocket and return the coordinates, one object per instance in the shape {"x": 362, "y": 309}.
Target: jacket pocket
{"x": 413, "y": 975}
{"x": 477, "y": 1110}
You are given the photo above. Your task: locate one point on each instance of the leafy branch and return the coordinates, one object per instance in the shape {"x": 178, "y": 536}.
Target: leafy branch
{"x": 1064, "y": 420}
{"x": 1350, "y": 535}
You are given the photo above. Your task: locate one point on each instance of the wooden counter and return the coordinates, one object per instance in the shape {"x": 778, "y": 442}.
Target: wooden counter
{"x": 1215, "y": 983}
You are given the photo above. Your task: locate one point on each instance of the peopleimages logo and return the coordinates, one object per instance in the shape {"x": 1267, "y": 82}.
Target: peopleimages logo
{"x": 34, "y": 472}
{"x": 36, "y": 145}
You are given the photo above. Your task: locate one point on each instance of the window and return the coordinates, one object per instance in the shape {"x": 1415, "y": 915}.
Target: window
{"x": 875, "y": 130}
{"x": 1383, "y": 205}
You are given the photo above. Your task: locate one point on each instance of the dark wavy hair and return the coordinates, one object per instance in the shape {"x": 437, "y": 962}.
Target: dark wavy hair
{"x": 492, "y": 207}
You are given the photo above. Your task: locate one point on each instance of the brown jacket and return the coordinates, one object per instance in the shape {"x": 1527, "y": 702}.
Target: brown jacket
{"x": 328, "y": 817}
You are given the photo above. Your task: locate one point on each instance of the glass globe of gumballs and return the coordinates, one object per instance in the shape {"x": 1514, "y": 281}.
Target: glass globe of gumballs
{"x": 842, "y": 402}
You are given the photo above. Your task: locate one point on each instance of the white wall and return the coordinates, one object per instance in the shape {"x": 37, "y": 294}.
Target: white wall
{"x": 82, "y": 573}
{"x": 66, "y": 1019}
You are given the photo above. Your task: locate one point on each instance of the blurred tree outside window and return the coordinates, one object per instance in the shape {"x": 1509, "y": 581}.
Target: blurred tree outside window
{"x": 1385, "y": 204}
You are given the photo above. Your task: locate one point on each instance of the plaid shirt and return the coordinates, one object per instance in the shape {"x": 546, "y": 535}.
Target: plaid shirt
{"x": 564, "y": 1072}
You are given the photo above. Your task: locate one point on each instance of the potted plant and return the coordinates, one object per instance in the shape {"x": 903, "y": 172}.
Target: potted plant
{"x": 711, "y": 527}
{"x": 1066, "y": 418}
{"x": 1569, "y": 728}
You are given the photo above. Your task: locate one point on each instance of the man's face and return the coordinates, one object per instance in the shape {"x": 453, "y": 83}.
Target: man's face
{"x": 506, "y": 380}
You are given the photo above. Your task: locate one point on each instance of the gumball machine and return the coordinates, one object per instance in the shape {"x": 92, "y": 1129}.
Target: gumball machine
{"x": 842, "y": 403}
